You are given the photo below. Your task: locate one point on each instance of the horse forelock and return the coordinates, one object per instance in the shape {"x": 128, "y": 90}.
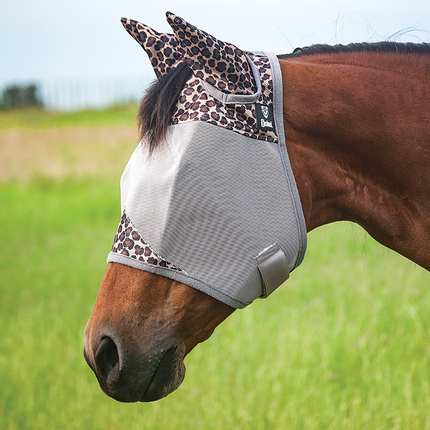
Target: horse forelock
{"x": 157, "y": 105}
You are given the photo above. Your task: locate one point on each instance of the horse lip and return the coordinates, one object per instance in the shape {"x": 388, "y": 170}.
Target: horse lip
{"x": 163, "y": 376}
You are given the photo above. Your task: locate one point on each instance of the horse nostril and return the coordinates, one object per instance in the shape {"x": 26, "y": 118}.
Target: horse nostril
{"x": 106, "y": 356}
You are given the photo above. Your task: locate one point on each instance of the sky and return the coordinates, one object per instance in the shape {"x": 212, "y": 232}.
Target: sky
{"x": 52, "y": 40}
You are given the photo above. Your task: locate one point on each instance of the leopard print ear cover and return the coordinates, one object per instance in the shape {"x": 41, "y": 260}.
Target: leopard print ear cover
{"x": 162, "y": 48}
{"x": 220, "y": 64}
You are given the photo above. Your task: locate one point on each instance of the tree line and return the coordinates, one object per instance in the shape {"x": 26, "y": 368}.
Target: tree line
{"x": 19, "y": 96}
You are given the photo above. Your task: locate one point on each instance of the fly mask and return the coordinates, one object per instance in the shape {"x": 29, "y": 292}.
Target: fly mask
{"x": 215, "y": 206}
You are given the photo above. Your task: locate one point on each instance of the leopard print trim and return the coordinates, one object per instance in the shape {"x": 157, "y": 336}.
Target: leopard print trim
{"x": 129, "y": 242}
{"x": 196, "y": 104}
{"x": 162, "y": 48}
{"x": 221, "y": 64}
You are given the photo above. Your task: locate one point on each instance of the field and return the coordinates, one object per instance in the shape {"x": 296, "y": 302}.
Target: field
{"x": 344, "y": 344}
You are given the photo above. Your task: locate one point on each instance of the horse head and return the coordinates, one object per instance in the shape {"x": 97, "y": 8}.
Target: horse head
{"x": 211, "y": 213}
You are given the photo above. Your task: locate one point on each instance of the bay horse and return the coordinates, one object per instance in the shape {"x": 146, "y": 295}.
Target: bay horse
{"x": 357, "y": 128}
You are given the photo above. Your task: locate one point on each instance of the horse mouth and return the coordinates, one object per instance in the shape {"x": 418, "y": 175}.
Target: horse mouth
{"x": 167, "y": 376}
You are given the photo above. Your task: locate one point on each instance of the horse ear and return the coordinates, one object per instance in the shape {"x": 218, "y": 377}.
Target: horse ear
{"x": 162, "y": 48}
{"x": 221, "y": 64}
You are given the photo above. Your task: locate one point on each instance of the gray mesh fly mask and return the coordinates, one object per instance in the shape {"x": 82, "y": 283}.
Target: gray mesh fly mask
{"x": 216, "y": 205}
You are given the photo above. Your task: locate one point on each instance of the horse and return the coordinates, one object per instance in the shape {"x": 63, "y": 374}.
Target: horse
{"x": 356, "y": 120}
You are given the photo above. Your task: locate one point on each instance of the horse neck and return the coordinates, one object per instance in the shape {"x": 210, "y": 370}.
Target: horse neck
{"x": 346, "y": 124}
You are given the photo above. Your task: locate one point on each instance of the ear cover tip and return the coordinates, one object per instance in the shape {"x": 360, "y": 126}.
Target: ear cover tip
{"x": 126, "y": 23}
{"x": 170, "y": 17}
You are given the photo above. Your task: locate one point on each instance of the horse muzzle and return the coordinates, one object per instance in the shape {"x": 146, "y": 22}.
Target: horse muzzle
{"x": 132, "y": 375}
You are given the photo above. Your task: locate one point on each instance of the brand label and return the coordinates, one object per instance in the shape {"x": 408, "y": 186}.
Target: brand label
{"x": 265, "y": 118}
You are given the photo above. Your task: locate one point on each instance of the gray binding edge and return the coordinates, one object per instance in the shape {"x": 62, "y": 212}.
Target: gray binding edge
{"x": 279, "y": 124}
{"x": 114, "y": 257}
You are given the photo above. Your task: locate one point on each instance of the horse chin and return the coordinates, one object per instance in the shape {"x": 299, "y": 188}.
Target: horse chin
{"x": 165, "y": 380}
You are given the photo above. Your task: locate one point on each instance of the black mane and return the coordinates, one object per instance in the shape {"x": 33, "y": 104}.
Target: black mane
{"x": 407, "y": 48}
{"x": 156, "y": 107}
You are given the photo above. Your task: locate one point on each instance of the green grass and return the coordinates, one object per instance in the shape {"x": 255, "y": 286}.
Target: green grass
{"x": 344, "y": 344}
{"x": 43, "y": 119}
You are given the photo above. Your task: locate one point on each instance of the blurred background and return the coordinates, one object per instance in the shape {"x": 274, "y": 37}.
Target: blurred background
{"x": 344, "y": 344}
{"x": 78, "y": 55}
